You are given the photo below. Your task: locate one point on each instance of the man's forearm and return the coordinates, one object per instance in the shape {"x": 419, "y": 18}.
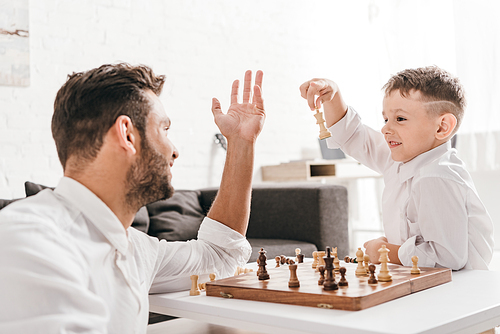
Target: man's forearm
{"x": 232, "y": 204}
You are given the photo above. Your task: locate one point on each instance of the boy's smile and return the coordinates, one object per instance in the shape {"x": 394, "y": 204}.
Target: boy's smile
{"x": 409, "y": 130}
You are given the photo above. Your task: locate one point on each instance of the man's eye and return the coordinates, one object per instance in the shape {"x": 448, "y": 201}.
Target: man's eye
{"x": 400, "y": 119}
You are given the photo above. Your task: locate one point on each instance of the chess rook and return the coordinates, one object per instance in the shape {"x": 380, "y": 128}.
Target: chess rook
{"x": 294, "y": 281}
{"x": 194, "y": 286}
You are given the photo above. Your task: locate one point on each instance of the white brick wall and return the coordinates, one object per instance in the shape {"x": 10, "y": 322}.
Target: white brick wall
{"x": 202, "y": 46}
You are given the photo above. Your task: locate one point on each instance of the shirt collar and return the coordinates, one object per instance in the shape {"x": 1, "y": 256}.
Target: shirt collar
{"x": 407, "y": 170}
{"x": 95, "y": 210}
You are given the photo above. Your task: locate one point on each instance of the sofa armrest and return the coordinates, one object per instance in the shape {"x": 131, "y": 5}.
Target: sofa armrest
{"x": 310, "y": 212}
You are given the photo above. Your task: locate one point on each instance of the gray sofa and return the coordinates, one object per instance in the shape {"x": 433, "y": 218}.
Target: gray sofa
{"x": 284, "y": 216}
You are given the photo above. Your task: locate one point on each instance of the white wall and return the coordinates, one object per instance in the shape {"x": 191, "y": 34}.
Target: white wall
{"x": 202, "y": 46}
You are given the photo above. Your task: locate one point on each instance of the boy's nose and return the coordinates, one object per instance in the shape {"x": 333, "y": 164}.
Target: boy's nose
{"x": 386, "y": 129}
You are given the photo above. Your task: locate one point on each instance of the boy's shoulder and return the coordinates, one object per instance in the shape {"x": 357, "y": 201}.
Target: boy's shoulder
{"x": 446, "y": 166}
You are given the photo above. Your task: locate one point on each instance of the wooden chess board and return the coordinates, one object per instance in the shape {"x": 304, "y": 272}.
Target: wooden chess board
{"x": 358, "y": 295}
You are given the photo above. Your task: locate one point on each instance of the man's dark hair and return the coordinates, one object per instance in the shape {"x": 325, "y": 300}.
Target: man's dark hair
{"x": 89, "y": 103}
{"x": 441, "y": 91}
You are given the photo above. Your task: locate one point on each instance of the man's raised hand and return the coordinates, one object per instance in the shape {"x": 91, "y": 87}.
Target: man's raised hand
{"x": 242, "y": 120}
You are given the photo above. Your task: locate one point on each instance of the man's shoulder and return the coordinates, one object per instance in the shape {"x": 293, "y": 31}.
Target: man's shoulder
{"x": 43, "y": 209}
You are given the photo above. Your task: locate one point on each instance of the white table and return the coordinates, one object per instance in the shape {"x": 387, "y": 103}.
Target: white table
{"x": 468, "y": 304}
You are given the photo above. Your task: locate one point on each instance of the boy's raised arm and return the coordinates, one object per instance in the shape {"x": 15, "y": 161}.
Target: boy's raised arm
{"x": 329, "y": 95}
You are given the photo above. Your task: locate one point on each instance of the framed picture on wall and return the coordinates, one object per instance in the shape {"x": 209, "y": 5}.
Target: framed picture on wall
{"x": 14, "y": 43}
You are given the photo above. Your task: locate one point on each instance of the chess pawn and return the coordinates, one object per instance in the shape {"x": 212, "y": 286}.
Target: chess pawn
{"x": 366, "y": 259}
{"x": 300, "y": 258}
{"x": 212, "y": 277}
{"x": 372, "y": 279}
{"x": 194, "y": 286}
{"x": 343, "y": 281}
{"x": 414, "y": 269}
{"x": 283, "y": 259}
{"x": 297, "y": 252}
{"x": 278, "y": 260}
{"x": 315, "y": 259}
{"x": 323, "y": 131}
{"x": 294, "y": 281}
{"x": 384, "y": 275}
{"x": 321, "y": 275}
{"x": 321, "y": 261}
{"x": 360, "y": 270}
{"x": 263, "y": 275}
{"x": 336, "y": 261}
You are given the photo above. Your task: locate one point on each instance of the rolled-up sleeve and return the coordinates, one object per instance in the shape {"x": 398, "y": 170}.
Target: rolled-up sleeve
{"x": 218, "y": 249}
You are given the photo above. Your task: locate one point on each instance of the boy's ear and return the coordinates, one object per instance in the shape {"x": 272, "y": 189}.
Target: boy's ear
{"x": 126, "y": 133}
{"x": 446, "y": 126}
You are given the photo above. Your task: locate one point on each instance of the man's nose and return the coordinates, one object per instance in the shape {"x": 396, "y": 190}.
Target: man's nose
{"x": 175, "y": 153}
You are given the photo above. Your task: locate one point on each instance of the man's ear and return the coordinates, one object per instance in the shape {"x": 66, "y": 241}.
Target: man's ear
{"x": 127, "y": 134}
{"x": 446, "y": 126}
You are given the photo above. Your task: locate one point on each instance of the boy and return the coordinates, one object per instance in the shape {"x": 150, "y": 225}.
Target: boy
{"x": 430, "y": 205}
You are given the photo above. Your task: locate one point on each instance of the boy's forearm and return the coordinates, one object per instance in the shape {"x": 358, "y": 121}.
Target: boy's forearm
{"x": 335, "y": 109}
{"x": 232, "y": 204}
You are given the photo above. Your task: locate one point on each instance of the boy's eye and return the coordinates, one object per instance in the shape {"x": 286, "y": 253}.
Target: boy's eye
{"x": 399, "y": 119}
{"x": 385, "y": 120}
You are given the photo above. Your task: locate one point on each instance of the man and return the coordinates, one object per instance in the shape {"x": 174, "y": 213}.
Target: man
{"x": 70, "y": 261}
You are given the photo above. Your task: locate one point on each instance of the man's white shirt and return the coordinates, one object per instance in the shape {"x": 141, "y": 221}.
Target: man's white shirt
{"x": 69, "y": 266}
{"x": 430, "y": 205}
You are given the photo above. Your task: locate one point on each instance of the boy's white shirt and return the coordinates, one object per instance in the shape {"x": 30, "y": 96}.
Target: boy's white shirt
{"x": 430, "y": 205}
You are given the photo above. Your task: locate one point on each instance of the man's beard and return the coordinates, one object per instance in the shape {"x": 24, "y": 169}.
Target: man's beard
{"x": 147, "y": 179}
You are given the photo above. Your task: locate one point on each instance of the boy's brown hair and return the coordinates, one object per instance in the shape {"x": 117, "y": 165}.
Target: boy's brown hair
{"x": 89, "y": 103}
{"x": 442, "y": 92}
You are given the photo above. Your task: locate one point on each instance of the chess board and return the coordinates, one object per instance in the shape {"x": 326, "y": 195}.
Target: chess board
{"x": 358, "y": 295}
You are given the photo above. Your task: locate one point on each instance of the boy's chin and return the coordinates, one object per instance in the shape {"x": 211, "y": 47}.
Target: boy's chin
{"x": 398, "y": 158}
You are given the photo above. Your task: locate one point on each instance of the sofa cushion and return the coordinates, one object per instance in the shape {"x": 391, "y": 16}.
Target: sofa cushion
{"x": 141, "y": 220}
{"x": 177, "y": 218}
{"x": 278, "y": 247}
{"x": 33, "y": 188}
{"x": 5, "y": 202}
